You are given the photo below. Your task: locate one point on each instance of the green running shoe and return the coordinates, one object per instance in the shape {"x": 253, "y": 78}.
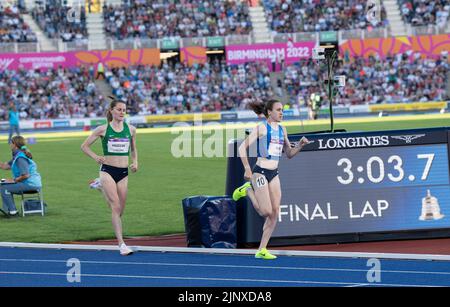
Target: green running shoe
{"x": 241, "y": 191}
{"x": 264, "y": 254}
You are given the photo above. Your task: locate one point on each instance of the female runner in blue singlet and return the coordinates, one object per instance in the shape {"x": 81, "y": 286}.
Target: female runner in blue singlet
{"x": 264, "y": 188}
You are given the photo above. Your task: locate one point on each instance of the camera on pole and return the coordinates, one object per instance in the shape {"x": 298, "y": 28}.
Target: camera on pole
{"x": 328, "y": 50}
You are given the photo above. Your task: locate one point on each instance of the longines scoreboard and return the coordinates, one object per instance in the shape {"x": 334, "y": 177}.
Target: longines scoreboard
{"x": 357, "y": 186}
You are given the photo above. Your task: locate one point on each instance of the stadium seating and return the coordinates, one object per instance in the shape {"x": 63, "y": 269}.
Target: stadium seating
{"x": 13, "y": 28}
{"x": 291, "y": 16}
{"x": 396, "y": 79}
{"x": 424, "y": 13}
{"x": 215, "y": 86}
{"x": 202, "y": 88}
{"x": 57, "y": 93}
{"x": 53, "y": 20}
{"x": 186, "y": 18}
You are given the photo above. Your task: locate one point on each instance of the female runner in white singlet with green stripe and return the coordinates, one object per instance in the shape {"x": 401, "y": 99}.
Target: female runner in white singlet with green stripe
{"x": 118, "y": 141}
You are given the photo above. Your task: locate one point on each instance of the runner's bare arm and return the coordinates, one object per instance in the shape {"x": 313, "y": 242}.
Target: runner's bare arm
{"x": 86, "y": 146}
{"x": 291, "y": 152}
{"x": 254, "y": 135}
{"x": 134, "y": 154}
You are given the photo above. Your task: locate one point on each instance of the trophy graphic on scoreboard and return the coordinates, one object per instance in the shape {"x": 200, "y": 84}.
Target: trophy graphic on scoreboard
{"x": 430, "y": 208}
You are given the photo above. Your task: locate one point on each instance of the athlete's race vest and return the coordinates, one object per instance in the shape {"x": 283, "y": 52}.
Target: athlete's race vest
{"x": 117, "y": 143}
{"x": 271, "y": 145}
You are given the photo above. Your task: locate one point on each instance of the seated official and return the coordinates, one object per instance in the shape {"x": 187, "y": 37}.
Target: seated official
{"x": 25, "y": 175}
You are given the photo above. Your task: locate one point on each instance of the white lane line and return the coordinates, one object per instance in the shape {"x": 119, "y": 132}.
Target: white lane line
{"x": 204, "y": 279}
{"x": 225, "y": 266}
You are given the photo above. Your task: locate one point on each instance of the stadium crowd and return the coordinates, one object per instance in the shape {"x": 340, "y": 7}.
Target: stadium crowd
{"x": 404, "y": 77}
{"x": 215, "y": 86}
{"x": 13, "y": 28}
{"x": 423, "y": 13}
{"x": 291, "y": 16}
{"x": 190, "y": 18}
{"x": 178, "y": 88}
{"x": 185, "y": 18}
{"x": 56, "y": 93}
{"x": 52, "y": 19}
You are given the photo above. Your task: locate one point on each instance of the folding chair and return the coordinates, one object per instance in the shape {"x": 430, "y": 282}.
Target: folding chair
{"x": 32, "y": 202}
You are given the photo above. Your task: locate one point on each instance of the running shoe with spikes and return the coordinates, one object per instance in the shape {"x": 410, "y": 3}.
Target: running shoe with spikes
{"x": 264, "y": 254}
{"x": 241, "y": 191}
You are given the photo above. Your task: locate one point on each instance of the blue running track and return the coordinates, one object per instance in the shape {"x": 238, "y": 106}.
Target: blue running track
{"x": 50, "y": 267}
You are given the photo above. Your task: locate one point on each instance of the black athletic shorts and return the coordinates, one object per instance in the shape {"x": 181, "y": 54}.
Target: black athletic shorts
{"x": 268, "y": 173}
{"x": 117, "y": 173}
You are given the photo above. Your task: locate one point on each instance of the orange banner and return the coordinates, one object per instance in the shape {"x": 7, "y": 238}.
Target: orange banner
{"x": 429, "y": 46}
{"x": 119, "y": 58}
{"x": 193, "y": 55}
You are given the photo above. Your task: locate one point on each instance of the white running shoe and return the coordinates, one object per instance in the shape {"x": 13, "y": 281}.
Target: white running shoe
{"x": 125, "y": 250}
{"x": 95, "y": 184}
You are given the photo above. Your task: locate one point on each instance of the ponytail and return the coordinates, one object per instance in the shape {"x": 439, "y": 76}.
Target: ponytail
{"x": 24, "y": 149}
{"x": 258, "y": 107}
{"x": 263, "y": 108}
{"x": 109, "y": 116}
{"x": 114, "y": 102}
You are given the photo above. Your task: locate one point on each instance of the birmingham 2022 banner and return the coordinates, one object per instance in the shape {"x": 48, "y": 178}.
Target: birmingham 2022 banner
{"x": 429, "y": 46}
{"x": 270, "y": 53}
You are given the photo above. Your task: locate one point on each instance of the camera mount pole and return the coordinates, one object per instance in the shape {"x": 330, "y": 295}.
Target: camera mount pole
{"x": 331, "y": 57}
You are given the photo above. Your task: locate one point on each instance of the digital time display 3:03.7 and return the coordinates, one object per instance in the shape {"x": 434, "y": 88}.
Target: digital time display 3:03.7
{"x": 376, "y": 172}
{"x": 395, "y": 166}
{"x": 363, "y": 190}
